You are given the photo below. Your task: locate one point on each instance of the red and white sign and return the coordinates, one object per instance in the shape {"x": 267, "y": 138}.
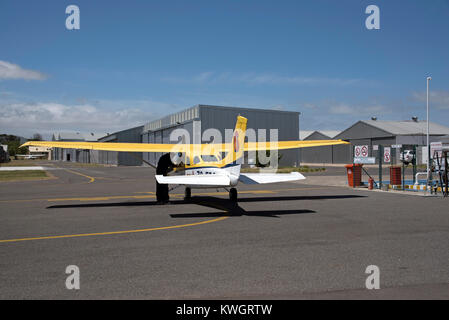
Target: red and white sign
{"x": 361, "y": 151}
{"x": 387, "y": 154}
{"x": 436, "y": 147}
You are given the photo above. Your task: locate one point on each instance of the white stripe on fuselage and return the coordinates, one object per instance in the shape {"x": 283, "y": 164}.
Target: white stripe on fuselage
{"x": 232, "y": 171}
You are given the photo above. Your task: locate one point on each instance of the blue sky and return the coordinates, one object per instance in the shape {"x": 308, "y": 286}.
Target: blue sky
{"x": 134, "y": 61}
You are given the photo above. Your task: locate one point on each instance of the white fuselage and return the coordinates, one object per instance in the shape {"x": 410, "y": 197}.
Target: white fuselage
{"x": 231, "y": 171}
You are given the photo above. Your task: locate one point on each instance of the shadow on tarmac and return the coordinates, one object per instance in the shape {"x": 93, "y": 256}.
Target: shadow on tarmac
{"x": 327, "y": 197}
{"x": 225, "y": 205}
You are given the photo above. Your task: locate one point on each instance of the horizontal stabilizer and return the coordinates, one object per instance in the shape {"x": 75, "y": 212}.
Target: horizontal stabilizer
{"x": 259, "y": 178}
{"x": 195, "y": 180}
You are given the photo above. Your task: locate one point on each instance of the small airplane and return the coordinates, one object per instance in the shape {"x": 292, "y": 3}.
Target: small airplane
{"x": 31, "y": 156}
{"x": 200, "y": 165}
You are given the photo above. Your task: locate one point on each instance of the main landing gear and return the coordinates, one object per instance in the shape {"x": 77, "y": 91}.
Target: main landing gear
{"x": 164, "y": 166}
{"x": 188, "y": 194}
{"x": 233, "y": 194}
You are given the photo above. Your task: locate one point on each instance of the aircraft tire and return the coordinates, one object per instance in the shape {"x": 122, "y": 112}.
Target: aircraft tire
{"x": 188, "y": 194}
{"x": 164, "y": 166}
{"x": 233, "y": 194}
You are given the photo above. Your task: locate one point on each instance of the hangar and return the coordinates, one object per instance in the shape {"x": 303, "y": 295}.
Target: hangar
{"x": 73, "y": 155}
{"x": 198, "y": 119}
{"x": 406, "y": 133}
{"x": 121, "y": 158}
{"x": 328, "y": 154}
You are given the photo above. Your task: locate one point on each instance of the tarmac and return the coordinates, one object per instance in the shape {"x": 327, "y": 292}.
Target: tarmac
{"x": 281, "y": 241}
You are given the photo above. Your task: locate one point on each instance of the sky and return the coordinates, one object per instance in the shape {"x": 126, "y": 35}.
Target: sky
{"x": 135, "y": 61}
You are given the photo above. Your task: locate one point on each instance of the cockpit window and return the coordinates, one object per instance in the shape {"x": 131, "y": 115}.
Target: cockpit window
{"x": 209, "y": 158}
{"x": 196, "y": 160}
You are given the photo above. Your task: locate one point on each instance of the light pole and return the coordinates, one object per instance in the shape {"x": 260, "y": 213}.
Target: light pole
{"x": 428, "y": 145}
{"x": 298, "y": 153}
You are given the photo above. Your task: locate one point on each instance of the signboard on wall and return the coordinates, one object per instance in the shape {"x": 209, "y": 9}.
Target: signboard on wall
{"x": 424, "y": 155}
{"x": 436, "y": 147}
{"x": 387, "y": 154}
{"x": 360, "y": 151}
{"x": 365, "y": 160}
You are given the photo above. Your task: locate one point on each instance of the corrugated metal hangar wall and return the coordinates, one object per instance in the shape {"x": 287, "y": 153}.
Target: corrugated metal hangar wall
{"x": 198, "y": 119}
{"x": 133, "y": 135}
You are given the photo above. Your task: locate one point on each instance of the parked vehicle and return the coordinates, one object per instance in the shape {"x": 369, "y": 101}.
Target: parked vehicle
{"x": 407, "y": 156}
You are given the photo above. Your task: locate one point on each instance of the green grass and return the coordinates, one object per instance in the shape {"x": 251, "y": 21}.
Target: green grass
{"x": 79, "y": 164}
{"x": 286, "y": 169}
{"x": 20, "y": 163}
{"x": 21, "y": 175}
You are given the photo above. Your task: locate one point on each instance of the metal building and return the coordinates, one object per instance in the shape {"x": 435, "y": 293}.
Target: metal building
{"x": 201, "y": 121}
{"x": 373, "y": 133}
{"x": 327, "y": 154}
{"x": 74, "y": 155}
{"x": 406, "y": 133}
{"x": 120, "y": 158}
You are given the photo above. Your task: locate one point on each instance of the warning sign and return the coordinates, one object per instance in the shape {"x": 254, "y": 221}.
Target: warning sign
{"x": 387, "y": 154}
{"x": 361, "y": 151}
{"x": 436, "y": 148}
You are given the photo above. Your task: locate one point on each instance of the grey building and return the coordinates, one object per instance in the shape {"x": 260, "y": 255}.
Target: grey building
{"x": 133, "y": 135}
{"x": 327, "y": 154}
{"x": 201, "y": 121}
{"x": 407, "y": 133}
{"x": 372, "y": 133}
{"x": 75, "y": 155}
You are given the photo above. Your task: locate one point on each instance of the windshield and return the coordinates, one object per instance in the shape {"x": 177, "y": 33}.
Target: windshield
{"x": 209, "y": 158}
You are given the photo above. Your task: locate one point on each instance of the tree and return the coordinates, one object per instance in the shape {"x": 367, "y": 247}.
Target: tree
{"x": 13, "y": 143}
{"x": 37, "y": 137}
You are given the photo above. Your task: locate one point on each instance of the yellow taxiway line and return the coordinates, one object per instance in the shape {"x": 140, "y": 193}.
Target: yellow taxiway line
{"x": 149, "y": 195}
{"x": 139, "y": 197}
{"x": 116, "y": 232}
{"x": 91, "y": 179}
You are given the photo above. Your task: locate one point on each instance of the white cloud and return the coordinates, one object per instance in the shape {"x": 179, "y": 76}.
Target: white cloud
{"x": 259, "y": 79}
{"x": 46, "y": 118}
{"x": 13, "y": 71}
{"x": 439, "y": 99}
{"x": 342, "y": 109}
{"x": 357, "y": 110}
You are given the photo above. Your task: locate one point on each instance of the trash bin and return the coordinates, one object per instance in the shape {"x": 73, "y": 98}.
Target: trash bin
{"x": 354, "y": 172}
{"x": 395, "y": 176}
{"x": 370, "y": 183}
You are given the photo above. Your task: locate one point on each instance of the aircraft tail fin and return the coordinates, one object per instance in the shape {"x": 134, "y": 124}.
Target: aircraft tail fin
{"x": 237, "y": 145}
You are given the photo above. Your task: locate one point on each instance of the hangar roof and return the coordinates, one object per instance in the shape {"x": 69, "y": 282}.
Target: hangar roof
{"x": 77, "y": 136}
{"x": 192, "y": 113}
{"x": 408, "y": 127}
{"x": 304, "y": 134}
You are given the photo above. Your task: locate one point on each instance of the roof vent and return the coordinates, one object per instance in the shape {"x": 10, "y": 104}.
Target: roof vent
{"x": 415, "y": 119}
{"x": 374, "y": 118}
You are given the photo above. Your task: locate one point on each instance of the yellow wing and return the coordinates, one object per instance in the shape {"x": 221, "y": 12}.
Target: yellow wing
{"x": 281, "y": 145}
{"x": 189, "y": 148}
{"x": 131, "y": 147}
